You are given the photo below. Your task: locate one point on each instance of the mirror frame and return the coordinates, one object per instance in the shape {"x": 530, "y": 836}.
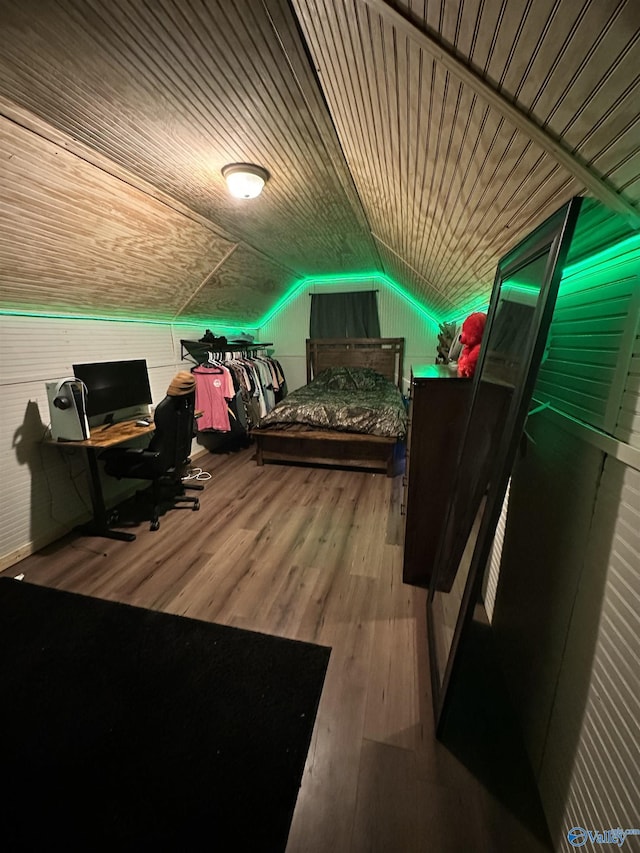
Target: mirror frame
{"x": 552, "y": 237}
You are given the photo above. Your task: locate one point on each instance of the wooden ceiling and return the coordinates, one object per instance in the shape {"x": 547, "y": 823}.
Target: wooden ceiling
{"x": 421, "y": 139}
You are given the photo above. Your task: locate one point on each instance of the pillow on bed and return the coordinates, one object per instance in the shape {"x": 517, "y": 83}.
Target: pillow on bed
{"x": 349, "y": 378}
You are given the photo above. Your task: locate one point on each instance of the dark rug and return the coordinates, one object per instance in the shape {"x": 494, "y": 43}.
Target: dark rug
{"x": 129, "y": 729}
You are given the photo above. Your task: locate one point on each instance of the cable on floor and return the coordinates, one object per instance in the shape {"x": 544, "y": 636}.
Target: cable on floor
{"x": 197, "y": 474}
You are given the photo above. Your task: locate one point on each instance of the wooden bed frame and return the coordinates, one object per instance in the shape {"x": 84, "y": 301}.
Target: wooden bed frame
{"x": 386, "y": 356}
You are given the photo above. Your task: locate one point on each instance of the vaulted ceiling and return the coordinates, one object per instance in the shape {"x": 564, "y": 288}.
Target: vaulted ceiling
{"x": 419, "y": 139}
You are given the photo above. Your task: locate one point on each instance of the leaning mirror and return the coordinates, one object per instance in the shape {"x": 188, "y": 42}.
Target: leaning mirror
{"x": 518, "y": 319}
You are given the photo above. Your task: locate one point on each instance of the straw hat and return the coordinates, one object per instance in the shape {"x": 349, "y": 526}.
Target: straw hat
{"x": 182, "y": 383}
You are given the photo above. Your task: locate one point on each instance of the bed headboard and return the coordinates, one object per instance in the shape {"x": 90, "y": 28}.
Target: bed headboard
{"x": 385, "y": 355}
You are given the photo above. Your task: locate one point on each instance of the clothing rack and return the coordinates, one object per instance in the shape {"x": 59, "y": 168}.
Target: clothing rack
{"x": 235, "y": 389}
{"x": 199, "y": 350}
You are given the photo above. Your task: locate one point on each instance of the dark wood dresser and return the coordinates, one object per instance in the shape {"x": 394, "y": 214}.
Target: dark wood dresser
{"x": 437, "y": 410}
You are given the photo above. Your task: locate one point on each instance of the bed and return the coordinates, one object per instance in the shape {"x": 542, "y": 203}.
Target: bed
{"x": 354, "y": 390}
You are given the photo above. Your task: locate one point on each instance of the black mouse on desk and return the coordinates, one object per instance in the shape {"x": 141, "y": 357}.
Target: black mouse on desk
{"x": 143, "y": 422}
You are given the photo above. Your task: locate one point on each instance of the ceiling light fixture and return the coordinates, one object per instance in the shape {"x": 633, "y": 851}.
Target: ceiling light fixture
{"x": 245, "y": 180}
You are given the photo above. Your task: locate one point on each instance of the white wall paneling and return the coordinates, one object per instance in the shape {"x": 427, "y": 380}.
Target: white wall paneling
{"x": 566, "y": 620}
{"x": 628, "y": 422}
{"x": 492, "y": 573}
{"x": 590, "y": 775}
{"x": 590, "y": 346}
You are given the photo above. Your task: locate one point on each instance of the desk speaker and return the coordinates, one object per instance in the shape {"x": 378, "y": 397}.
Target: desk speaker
{"x": 67, "y": 409}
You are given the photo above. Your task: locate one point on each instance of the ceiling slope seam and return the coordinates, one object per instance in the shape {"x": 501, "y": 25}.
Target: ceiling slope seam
{"x": 205, "y": 281}
{"x": 405, "y": 263}
{"x": 350, "y": 188}
{"x": 34, "y": 124}
{"x": 571, "y": 162}
{"x": 31, "y": 122}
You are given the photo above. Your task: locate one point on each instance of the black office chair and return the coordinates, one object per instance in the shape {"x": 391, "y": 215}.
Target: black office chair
{"x": 164, "y": 460}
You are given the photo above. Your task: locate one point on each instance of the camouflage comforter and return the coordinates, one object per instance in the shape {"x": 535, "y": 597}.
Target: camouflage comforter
{"x": 347, "y": 399}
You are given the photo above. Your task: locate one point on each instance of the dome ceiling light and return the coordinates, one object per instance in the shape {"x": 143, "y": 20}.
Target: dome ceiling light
{"x": 245, "y": 180}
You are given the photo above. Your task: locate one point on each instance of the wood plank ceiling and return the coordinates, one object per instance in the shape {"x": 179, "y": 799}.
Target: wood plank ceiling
{"x": 383, "y": 153}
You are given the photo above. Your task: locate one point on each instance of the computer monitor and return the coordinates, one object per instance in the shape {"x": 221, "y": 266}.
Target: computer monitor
{"x": 113, "y": 385}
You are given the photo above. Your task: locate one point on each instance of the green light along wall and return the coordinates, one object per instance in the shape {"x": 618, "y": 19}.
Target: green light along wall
{"x": 401, "y": 315}
{"x": 625, "y": 250}
{"x": 295, "y": 290}
{"x": 592, "y": 338}
{"x": 200, "y": 325}
{"x": 610, "y": 255}
{"x": 299, "y": 287}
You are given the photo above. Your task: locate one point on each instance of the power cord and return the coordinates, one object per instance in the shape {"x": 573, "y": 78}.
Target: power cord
{"x": 73, "y": 477}
{"x": 197, "y": 474}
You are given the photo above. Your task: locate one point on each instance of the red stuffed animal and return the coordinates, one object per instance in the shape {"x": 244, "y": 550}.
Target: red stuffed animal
{"x": 471, "y": 337}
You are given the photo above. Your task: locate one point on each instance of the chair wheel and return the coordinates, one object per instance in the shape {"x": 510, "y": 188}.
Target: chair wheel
{"x": 155, "y": 525}
{"x": 196, "y": 506}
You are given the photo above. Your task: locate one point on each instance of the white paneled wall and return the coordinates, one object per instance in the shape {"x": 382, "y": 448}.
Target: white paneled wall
{"x": 43, "y": 491}
{"x": 398, "y": 318}
{"x": 628, "y": 423}
{"x": 590, "y": 775}
{"x": 492, "y": 574}
{"x": 591, "y": 341}
{"x": 573, "y": 651}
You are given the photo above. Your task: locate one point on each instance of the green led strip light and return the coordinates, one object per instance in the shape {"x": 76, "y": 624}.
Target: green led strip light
{"x": 284, "y": 300}
{"x": 288, "y": 297}
{"x": 609, "y": 255}
{"x": 408, "y": 298}
{"x": 520, "y": 288}
{"x": 346, "y": 279}
{"x": 146, "y": 321}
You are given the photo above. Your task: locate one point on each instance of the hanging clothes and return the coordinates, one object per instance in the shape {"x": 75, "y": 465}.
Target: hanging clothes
{"x": 214, "y": 386}
{"x": 236, "y": 399}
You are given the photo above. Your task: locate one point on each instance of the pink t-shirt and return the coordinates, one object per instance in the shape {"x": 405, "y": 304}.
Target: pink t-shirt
{"x": 213, "y": 389}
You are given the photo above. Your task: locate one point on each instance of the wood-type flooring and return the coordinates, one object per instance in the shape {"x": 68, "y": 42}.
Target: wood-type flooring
{"x": 314, "y": 554}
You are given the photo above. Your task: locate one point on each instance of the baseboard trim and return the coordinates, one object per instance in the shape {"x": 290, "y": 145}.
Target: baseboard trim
{"x": 16, "y": 556}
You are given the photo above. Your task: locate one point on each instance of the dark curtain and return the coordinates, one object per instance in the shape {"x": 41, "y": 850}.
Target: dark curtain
{"x": 344, "y": 315}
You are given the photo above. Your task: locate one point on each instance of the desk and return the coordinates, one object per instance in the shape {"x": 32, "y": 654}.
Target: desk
{"x": 100, "y": 438}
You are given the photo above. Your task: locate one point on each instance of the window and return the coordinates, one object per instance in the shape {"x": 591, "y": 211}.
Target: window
{"x": 344, "y": 315}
